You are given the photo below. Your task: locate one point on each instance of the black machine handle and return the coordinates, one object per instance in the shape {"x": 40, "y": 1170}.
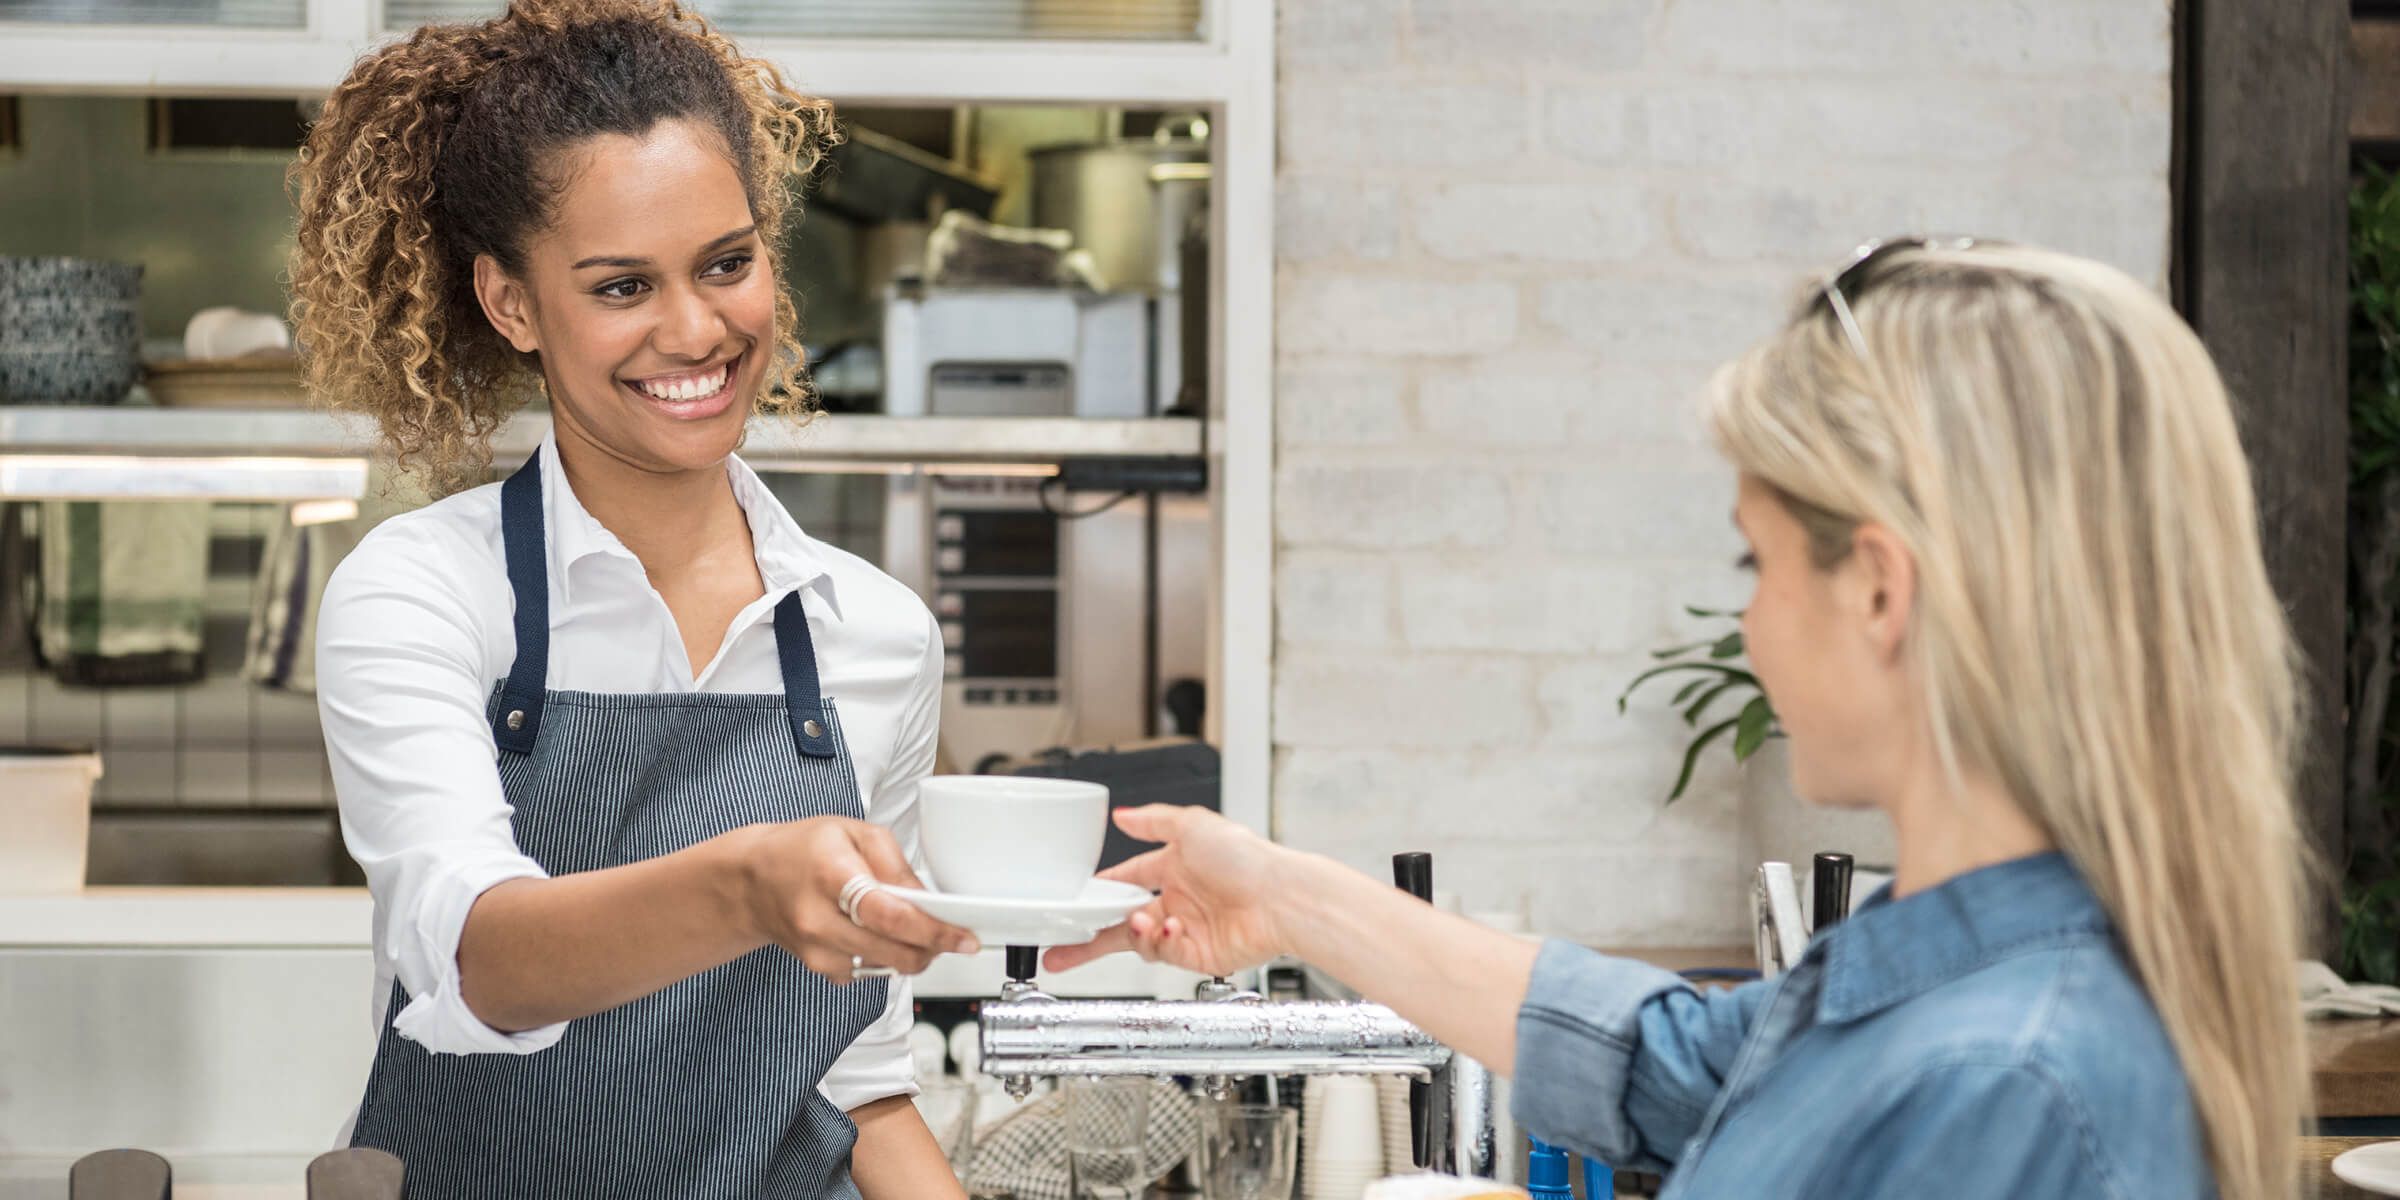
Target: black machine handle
{"x": 1831, "y": 899}
{"x": 120, "y": 1175}
{"x": 358, "y": 1173}
{"x": 1023, "y": 962}
{"x": 1412, "y": 872}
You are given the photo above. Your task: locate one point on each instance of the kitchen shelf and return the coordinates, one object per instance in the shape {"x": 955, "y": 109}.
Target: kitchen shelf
{"x": 828, "y": 439}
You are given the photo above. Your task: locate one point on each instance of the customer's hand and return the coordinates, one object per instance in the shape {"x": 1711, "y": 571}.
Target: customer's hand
{"x": 793, "y": 874}
{"x": 1219, "y": 890}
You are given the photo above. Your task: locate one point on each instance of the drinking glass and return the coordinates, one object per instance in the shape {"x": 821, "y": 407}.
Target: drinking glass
{"x": 1247, "y": 1151}
{"x": 1106, "y": 1120}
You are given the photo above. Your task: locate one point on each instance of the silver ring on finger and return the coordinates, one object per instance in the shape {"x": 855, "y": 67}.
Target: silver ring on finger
{"x": 861, "y": 969}
{"x": 854, "y": 893}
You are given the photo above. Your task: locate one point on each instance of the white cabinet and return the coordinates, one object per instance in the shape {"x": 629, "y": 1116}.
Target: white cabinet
{"x": 1165, "y": 52}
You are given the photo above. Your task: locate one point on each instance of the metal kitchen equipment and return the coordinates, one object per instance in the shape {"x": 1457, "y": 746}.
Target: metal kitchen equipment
{"x": 1781, "y": 930}
{"x": 1041, "y": 610}
{"x": 1227, "y": 1033}
{"x": 1139, "y": 207}
{"x": 1101, "y": 193}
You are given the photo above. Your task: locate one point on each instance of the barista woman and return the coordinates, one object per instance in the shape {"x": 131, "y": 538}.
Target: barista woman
{"x": 619, "y": 746}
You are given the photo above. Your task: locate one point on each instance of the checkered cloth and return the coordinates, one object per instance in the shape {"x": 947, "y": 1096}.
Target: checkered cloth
{"x": 1024, "y": 1155}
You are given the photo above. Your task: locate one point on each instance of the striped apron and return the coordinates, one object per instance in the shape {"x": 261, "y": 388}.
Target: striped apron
{"x": 705, "y": 1088}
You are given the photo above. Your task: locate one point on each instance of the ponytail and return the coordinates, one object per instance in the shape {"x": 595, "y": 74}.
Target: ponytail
{"x": 440, "y": 148}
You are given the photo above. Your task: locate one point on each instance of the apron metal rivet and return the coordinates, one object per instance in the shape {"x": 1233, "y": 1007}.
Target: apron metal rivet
{"x": 812, "y": 729}
{"x": 516, "y": 718}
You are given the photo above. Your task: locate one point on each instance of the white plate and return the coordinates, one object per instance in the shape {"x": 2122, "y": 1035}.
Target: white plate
{"x": 1001, "y": 922}
{"x": 2375, "y": 1168}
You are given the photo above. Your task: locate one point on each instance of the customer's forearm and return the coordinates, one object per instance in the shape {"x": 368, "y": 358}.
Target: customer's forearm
{"x": 1457, "y": 980}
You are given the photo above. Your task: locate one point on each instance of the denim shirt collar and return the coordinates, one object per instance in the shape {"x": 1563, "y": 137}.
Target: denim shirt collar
{"x": 1890, "y": 950}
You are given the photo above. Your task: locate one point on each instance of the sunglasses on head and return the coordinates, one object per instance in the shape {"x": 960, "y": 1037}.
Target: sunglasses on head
{"x": 1852, "y": 279}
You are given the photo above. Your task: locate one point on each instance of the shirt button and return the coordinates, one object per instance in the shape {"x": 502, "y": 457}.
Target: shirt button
{"x": 813, "y": 729}
{"x": 516, "y": 718}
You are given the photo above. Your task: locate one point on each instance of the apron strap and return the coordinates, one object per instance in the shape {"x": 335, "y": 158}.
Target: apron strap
{"x": 519, "y": 718}
{"x": 800, "y": 694}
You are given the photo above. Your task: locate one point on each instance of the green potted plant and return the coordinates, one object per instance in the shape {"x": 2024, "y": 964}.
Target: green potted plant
{"x": 2370, "y": 877}
{"x": 1718, "y": 676}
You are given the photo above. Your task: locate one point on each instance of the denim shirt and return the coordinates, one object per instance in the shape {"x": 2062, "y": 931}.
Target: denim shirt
{"x": 1980, "y": 1039}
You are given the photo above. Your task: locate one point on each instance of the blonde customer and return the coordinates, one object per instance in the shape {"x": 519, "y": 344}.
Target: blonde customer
{"x": 2009, "y": 592}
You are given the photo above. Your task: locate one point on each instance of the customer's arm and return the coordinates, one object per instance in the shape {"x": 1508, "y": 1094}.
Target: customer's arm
{"x": 1613, "y": 1057}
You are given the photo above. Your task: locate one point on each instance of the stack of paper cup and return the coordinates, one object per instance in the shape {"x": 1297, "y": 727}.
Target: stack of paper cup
{"x": 1399, "y": 1137}
{"x": 1342, "y": 1125}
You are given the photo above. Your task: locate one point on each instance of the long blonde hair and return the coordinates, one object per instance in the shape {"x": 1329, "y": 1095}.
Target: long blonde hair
{"x": 2093, "y": 628}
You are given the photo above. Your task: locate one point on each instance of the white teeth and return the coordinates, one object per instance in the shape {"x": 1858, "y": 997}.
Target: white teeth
{"x": 689, "y": 387}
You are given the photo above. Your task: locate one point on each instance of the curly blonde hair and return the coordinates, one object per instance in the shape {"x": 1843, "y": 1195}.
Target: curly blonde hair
{"x": 443, "y": 147}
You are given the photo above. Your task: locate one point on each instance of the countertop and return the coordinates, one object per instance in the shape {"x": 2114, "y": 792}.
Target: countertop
{"x": 2316, "y": 1165}
{"x": 195, "y": 917}
{"x": 2357, "y": 1066}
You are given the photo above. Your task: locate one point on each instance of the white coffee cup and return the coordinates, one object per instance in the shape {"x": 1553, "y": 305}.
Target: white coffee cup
{"x": 1012, "y": 837}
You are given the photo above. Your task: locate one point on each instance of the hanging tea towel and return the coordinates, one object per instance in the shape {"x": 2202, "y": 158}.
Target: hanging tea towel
{"x": 1024, "y": 1156}
{"x": 123, "y": 587}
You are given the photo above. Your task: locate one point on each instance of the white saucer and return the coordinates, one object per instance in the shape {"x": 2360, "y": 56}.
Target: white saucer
{"x": 2375, "y": 1168}
{"x": 1001, "y": 922}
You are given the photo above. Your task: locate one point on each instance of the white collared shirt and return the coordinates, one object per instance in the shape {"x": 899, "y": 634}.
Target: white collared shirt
{"x": 417, "y": 627}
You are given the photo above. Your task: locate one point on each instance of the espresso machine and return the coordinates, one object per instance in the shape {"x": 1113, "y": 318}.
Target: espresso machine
{"x": 1227, "y": 1033}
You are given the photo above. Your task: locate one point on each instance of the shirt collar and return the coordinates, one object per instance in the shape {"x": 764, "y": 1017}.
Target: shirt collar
{"x": 788, "y": 559}
{"x": 1890, "y": 950}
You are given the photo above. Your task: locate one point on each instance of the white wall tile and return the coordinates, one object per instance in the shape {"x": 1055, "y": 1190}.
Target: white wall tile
{"x": 213, "y": 778}
{"x": 1517, "y": 236}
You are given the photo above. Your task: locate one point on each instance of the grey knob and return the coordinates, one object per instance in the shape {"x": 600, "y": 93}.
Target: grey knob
{"x": 120, "y": 1175}
{"x": 358, "y": 1173}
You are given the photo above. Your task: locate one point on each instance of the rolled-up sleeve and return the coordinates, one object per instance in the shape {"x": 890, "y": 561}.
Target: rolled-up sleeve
{"x": 1620, "y": 1060}
{"x": 401, "y": 685}
{"x": 877, "y": 1064}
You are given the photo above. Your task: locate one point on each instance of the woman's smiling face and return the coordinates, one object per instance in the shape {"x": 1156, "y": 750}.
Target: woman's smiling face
{"x": 648, "y": 296}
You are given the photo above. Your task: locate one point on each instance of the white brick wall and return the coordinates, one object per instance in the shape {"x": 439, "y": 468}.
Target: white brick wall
{"x": 1513, "y": 237}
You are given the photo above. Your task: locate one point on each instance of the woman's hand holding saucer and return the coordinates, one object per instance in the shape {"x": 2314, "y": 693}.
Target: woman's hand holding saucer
{"x": 1218, "y": 886}
{"x": 802, "y": 892}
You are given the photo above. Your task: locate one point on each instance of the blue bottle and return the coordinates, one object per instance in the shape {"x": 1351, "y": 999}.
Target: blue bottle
{"x": 1547, "y": 1177}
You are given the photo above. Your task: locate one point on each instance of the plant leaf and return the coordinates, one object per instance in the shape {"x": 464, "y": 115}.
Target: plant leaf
{"x": 1729, "y": 646}
{"x": 1692, "y": 715}
{"x": 1671, "y": 668}
{"x": 1710, "y": 613}
{"x": 1691, "y": 756}
{"x": 1756, "y": 719}
{"x": 1679, "y": 651}
{"x": 1685, "y": 693}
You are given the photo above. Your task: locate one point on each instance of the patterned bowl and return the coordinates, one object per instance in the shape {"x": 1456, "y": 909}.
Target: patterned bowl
{"x": 70, "y": 330}
{"x": 110, "y": 323}
{"x": 66, "y": 373}
{"x": 35, "y": 278}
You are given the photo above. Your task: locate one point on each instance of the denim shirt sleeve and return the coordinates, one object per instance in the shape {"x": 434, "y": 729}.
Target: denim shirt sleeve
{"x": 1619, "y": 1060}
{"x": 2018, "y": 1126}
